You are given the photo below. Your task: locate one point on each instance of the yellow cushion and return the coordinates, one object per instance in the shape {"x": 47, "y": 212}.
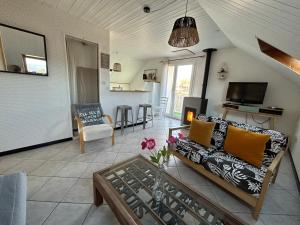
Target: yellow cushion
{"x": 201, "y": 132}
{"x": 246, "y": 145}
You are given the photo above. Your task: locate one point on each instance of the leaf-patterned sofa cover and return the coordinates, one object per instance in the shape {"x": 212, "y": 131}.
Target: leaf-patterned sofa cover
{"x": 232, "y": 169}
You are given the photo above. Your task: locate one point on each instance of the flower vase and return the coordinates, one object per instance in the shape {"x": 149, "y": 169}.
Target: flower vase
{"x": 158, "y": 191}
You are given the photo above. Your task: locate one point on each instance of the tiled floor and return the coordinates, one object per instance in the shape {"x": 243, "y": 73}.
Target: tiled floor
{"x": 60, "y": 184}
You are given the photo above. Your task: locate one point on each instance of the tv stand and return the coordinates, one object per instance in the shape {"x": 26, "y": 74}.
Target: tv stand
{"x": 271, "y": 114}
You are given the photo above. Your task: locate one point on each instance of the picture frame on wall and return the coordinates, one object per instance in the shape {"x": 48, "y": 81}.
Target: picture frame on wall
{"x": 150, "y": 74}
{"x": 104, "y": 61}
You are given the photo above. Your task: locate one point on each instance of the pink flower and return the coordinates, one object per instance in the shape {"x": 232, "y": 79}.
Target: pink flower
{"x": 148, "y": 143}
{"x": 181, "y": 135}
{"x": 144, "y": 145}
{"x": 151, "y": 143}
{"x": 171, "y": 140}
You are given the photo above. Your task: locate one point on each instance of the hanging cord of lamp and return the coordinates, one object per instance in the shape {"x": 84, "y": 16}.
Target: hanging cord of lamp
{"x": 184, "y": 33}
{"x": 147, "y": 9}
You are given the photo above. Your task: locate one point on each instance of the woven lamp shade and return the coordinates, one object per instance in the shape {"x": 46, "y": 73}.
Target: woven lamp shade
{"x": 184, "y": 33}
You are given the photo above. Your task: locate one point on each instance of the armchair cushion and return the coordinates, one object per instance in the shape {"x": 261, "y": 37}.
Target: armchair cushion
{"x": 95, "y": 132}
{"x": 235, "y": 171}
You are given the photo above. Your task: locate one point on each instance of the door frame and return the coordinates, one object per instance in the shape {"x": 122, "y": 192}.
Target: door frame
{"x": 68, "y": 37}
{"x": 90, "y": 42}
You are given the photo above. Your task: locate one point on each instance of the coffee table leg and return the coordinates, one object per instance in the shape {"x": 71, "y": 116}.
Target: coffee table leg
{"x": 98, "y": 199}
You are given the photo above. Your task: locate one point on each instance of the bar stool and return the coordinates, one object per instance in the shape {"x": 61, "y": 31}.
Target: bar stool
{"x": 146, "y": 117}
{"x": 124, "y": 117}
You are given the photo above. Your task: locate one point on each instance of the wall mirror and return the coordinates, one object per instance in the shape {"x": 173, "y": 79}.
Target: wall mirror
{"x": 22, "y": 51}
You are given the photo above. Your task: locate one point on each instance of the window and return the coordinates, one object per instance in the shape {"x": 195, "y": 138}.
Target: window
{"x": 179, "y": 85}
{"x": 34, "y": 64}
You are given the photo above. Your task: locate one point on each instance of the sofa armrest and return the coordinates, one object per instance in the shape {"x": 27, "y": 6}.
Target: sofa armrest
{"x": 275, "y": 163}
{"x": 178, "y": 128}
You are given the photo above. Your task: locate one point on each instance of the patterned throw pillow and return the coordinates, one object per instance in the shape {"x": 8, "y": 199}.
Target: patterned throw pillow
{"x": 90, "y": 118}
{"x": 277, "y": 141}
{"x": 90, "y": 114}
{"x": 247, "y": 127}
{"x": 219, "y": 132}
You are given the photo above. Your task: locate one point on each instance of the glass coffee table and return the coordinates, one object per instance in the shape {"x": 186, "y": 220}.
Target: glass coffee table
{"x": 127, "y": 189}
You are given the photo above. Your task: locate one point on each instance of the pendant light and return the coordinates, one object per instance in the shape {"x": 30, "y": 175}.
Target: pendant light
{"x": 184, "y": 33}
{"x": 116, "y": 66}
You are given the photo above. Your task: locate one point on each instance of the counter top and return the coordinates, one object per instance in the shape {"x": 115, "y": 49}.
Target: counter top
{"x": 129, "y": 91}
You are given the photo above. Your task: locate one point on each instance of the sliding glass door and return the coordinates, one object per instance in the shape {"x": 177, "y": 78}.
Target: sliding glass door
{"x": 178, "y": 86}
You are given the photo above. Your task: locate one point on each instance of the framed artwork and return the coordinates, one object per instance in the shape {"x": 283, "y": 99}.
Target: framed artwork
{"x": 150, "y": 74}
{"x": 104, "y": 61}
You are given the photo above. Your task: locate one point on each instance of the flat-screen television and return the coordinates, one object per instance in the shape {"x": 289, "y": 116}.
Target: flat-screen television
{"x": 246, "y": 92}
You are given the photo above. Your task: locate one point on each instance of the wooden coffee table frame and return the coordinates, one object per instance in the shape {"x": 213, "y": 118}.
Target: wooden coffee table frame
{"x": 103, "y": 190}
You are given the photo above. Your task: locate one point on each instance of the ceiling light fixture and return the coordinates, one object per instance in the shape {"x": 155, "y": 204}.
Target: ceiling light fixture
{"x": 184, "y": 33}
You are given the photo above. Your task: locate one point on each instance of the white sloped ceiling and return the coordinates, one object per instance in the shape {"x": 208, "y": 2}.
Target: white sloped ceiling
{"x": 277, "y": 22}
{"x": 138, "y": 34}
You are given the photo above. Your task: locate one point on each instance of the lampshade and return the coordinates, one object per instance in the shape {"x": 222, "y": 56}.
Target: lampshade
{"x": 184, "y": 33}
{"x": 117, "y": 67}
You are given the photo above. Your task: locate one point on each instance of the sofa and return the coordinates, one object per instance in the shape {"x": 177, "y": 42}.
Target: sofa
{"x": 246, "y": 181}
{"x": 13, "y": 190}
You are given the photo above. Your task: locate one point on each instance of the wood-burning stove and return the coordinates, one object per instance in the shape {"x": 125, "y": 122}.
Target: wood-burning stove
{"x": 192, "y": 106}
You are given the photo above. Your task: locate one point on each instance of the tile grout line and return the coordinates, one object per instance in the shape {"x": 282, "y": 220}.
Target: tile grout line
{"x": 50, "y": 213}
{"x": 91, "y": 206}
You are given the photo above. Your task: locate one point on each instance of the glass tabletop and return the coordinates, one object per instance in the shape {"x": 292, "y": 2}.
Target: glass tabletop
{"x": 134, "y": 180}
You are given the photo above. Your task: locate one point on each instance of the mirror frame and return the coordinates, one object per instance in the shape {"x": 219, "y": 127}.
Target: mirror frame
{"x": 45, "y": 50}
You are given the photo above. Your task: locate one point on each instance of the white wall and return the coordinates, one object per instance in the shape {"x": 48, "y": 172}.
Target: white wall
{"x": 34, "y": 109}
{"x": 137, "y": 82}
{"x": 281, "y": 92}
{"x": 130, "y": 66}
{"x": 296, "y": 148}
{"x": 110, "y": 100}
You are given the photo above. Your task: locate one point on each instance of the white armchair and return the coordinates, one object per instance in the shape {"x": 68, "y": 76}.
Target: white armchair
{"x": 93, "y": 124}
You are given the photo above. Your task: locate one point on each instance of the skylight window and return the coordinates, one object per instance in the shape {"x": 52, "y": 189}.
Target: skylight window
{"x": 291, "y": 62}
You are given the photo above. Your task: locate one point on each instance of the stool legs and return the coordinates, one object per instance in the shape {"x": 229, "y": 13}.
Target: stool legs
{"x": 151, "y": 116}
{"x": 144, "y": 117}
{"x": 123, "y": 122}
{"x": 132, "y": 120}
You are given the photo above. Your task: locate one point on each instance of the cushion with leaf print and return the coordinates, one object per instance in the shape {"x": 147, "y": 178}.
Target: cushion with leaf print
{"x": 192, "y": 150}
{"x": 219, "y": 132}
{"x": 237, "y": 172}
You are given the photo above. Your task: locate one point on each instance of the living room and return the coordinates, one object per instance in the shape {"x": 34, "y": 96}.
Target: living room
{"x": 133, "y": 64}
